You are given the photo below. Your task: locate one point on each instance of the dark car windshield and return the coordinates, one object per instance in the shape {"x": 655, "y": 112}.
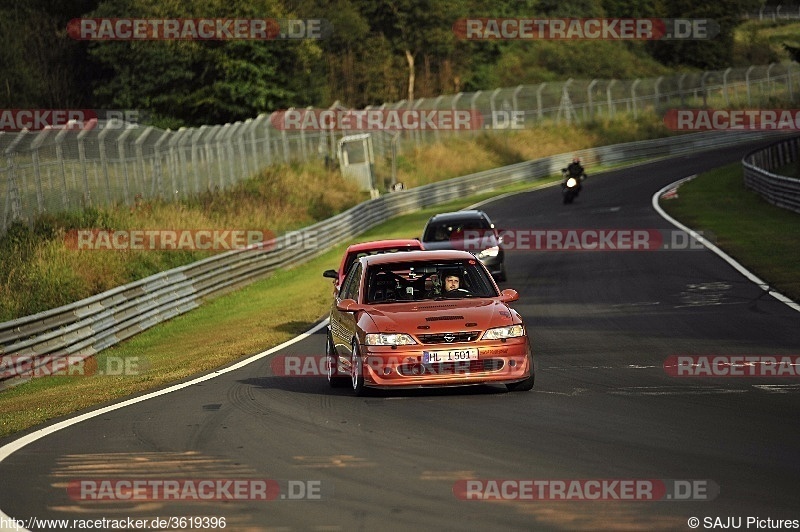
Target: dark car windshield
{"x": 415, "y": 281}
{"x": 455, "y": 229}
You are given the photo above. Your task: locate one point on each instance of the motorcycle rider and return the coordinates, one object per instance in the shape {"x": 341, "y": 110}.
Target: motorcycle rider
{"x": 575, "y": 169}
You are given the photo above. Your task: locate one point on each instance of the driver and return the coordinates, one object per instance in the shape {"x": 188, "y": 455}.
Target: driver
{"x": 451, "y": 283}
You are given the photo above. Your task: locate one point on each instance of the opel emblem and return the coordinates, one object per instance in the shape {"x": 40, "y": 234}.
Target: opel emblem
{"x": 449, "y": 337}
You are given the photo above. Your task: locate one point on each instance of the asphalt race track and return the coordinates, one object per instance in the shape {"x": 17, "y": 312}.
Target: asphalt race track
{"x": 605, "y": 411}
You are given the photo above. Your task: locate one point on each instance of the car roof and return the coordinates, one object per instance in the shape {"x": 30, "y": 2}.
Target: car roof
{"x": 458, "y": 215}
{"x": 384, "y": 244}
{"x": 410, "y": 256}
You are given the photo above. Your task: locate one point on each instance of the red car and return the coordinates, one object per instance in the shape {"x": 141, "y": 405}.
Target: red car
{"x": 425, "y": 318}
{"x": 369, "y": 248}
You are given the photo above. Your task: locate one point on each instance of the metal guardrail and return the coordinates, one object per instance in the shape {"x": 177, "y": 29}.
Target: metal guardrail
{"x": 759, "y": 165}
{"x": 86, "y": 327}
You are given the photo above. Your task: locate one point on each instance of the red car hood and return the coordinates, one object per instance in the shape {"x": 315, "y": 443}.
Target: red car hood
{"x": 441, "y": 316}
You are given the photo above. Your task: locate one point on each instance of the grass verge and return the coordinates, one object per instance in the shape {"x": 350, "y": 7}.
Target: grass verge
{"x": 763, "y": 238}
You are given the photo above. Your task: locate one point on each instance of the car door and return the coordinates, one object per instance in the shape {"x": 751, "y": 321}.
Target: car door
{"x": 343, "y": 324}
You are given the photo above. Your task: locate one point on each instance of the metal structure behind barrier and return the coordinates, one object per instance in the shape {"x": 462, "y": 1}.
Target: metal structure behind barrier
{"x": 357, "y": 160}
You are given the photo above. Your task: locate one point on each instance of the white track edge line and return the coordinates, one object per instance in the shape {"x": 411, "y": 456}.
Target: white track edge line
{"x": 711, "y": 247}
{"x": 15, "y": 445}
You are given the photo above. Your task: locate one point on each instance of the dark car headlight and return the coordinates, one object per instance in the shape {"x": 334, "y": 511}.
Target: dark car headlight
{"x": 489, "y": 252}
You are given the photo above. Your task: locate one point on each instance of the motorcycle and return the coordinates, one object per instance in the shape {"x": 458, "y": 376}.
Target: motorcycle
{"x": 570, "y": 186}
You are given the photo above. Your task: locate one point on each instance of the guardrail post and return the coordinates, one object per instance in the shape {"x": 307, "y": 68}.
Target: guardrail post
{"x": 680, "y": 89}
{"x": 725, "y": 86}
{"x": 590, "y": 99}
{"x": 175, "y": 163}
{"x": 417, "y": 134}
{"x": 514, "y": 94}
{"x": 140, "y": 156}
{"x": 232, "y": 129}
{"x": 123, "y": 160}
{"x": 493, "y": 105}
{"x": 286, "y": 153}
{"x": 608, "y": 98}
{"x": 454, "y": 102}
{"x": 539, "y": 112}
{"x": 158, "y": 172}
{"x": 37, "y": 171}
{"x": 657, "y": 92}
{"x": 101, "y": 146}
{"x": 633, "y": 97}
{"x": 13, "y": 199}
{"x": 254, "y": 142}
{"x": 62, "y": 166}
{"x": 268, "y": 140}
{"x": 769, "y": 81}
{"x": 436, "y": 103}
{"x": 747, "y": 83}
{"x": 195, "y": 157}
{"x": 87, "y": 193}
{"x": 303, "y": 147}
{"x": 473, "y": 108}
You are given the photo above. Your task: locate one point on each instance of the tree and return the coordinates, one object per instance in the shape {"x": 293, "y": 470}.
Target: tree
{"x": 711, "y": 53}
{"x": 40, "y": 67}
{"x": 195, "y": 82}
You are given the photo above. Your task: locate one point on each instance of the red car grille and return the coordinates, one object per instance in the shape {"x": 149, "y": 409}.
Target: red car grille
{"x": 449, "y": 338}
{"x": 451, "y": 368}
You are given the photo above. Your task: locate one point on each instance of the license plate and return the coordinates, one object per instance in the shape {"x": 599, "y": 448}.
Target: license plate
{"x": 452, "y": 355}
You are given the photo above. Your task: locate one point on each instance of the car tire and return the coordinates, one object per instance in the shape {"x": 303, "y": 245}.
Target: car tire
{"x": 335, "y": 380}
{"x": 357, "y": 370}
{"x": 527, "y": 384}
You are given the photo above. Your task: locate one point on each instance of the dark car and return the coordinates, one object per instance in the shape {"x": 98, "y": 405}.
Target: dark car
{"x": 471, "y": 231}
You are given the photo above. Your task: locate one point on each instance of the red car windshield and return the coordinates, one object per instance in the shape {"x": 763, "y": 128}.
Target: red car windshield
{"x": 416, "y": 281}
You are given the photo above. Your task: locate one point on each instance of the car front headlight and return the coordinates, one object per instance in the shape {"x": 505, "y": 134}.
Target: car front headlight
{"x": 499, "y": 333}
{"x": 389, "y": 339}
{"x": 489, "y": 252}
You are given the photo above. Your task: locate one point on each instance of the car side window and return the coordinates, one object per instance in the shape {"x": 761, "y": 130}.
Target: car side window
{"x": 351, "y": 282}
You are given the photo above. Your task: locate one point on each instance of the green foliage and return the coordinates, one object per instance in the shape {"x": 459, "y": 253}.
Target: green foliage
{"x": 202, "y": 82}
{"x": 39, "y": 65}
{"x": 714, "y": 53}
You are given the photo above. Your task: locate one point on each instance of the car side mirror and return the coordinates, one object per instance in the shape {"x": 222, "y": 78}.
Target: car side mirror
{"x": 348, "y": 305}
{"x": 333, "y": 274}
{"x": 509, "y": 295}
